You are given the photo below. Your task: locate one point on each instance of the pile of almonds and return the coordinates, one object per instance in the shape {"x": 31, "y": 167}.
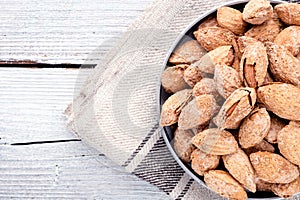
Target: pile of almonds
{"x": 235, "y": 100}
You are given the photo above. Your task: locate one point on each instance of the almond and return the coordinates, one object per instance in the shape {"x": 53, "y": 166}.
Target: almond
{"x": 172, "y": 79}
{"x": 222, "y": 183}
{"x": 215, "y": 142}
{"x": 205, "y": 86}
{"x": 236, "y": 107}
{"x": 240, "y": 168}
{"x": 197, "y": 112}
{"x": 192, "y": 75}
{"x": 172, "y": 107}
{"x": 183, "y": 144}
{"x": 257, "y": 11}
{"x": 282, "y": 99}
{"x": 227, "y": 80}
{"x": 290, "y": 38}
{"x": 289, "y": 13}
{"x": 188, "y": 52}
{"x": 213, "y": 37}
{"x": 254, "y": 65}
{"x": 289, "y": 142}
{"x": 220, "y": 55}
{"x": 209, "y": 22}
{"x": 287, "y": 190}
{"x": 273, "y": 168}
{"x": 231, "y": 19}
{"x": 283, "y": 65}
{"x": 267, "y": 31}
{"x": 202, "y": 162}
{"x": 254, "y": 128}
{"x": 244, "y": 41}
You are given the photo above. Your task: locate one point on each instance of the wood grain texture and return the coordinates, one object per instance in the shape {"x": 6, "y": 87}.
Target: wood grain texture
{"x": 61, "y": 31}
{"x": 66, "y": 171}
{"x": 32, "y": 104}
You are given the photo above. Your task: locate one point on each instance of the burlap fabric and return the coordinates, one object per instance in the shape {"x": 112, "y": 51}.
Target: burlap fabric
{"x": 116, "y": 110}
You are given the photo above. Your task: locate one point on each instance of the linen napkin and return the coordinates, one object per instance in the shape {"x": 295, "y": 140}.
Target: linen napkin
{"x": 116, "y": 111}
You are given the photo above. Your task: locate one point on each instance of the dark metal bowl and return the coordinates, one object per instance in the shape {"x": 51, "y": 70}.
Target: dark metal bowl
{"x": 167, "y": 132}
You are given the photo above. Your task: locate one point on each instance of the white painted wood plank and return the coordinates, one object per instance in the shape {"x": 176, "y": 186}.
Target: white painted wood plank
{"x": 66, "y": 170}
{"x": 32, "y": 104}
{"x": 63, "y": 31}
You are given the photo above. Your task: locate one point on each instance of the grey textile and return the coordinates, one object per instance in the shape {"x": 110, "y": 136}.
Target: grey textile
{"x": 116, "y": 111}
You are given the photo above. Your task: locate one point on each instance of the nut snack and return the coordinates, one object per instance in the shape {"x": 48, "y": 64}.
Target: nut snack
{"x": 233, "y": 96}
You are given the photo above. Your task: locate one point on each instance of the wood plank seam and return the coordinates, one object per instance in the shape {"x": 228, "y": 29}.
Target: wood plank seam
{"x": 44, "y": 142}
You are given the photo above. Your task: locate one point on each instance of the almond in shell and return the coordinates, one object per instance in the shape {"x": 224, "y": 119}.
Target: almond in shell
{"x": 209, "y": 22}
{"x": 227, "y": 80}
{"x": 245, "y": 41}
{"x": 257, "y": 11}
{"x": 240, "y": 168}
{"x": 283, "y": 190}
{"x": 215, "y": 142}
{"x": 254, "y": 65}
{"x": 287, "y": 190}
{"x": 254, "y": 128}
{"x": 173, "y": 106}
{"x": 183, "y": 144}
{"x": 220, "y": 55}
{"x": 197, "y": 112}
{"x": 222, "y": 183}
{"x": 207, "y": 86}
{"x": 202, "y": 162}
{"x": 273, "y": 168}
{"x": 236, "y": 107}
{"x": 290, "y": 38}
{"x": 172, "y": 79}
{"x": 282, "y": 99}
{"x": 289, "y": 13}
{"x": 188, "y": 52}
{"x": 231, "y": 19}
{"x": 192, "y": 75}
{"x": 283, "y": 65}
{"x": 289, "y": 142}
{"x": 267, "y": 31}
{"x": 213, "y": 37}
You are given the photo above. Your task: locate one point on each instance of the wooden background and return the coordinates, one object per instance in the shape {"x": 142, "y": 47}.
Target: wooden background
{"x": 63, "y": 31}
{"x": 39, "y": 157}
